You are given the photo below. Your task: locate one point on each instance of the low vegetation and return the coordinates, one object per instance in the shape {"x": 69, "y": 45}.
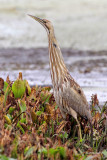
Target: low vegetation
{"x": 31, "y": 126}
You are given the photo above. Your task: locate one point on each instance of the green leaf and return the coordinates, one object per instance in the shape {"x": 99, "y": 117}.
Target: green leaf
{"x": 21, "y": 128}
{"x": 7, "y": 91}
{"x": 61, "y": 135}
{"x": 3, "y": 157}
{"x": 43, "y": 150}
{"x": 62, "y": 152}
{"x": 22, "y": 105}
{"x": 14, "y": 149}
{"x": 52, "y": 151}
{"x": 7, "y": 118}
{"x": 38, "y": 113}
{"x": 11, "y": 109}
{"x": 10, "y": 117}
{"x": 26, "y": 149}
{"x": 89, "y": 158}
{"x": 59, "y": 150}
{"x": 5, "y": 86}
{"x": 45, "y": 97}
{"x": 18, "y": 88}
{"x": 105, "y": 153}
{"x": 65, "y": 135}
{"x": 14, "y": 152}
{"x": 23, "y": 120}
{"x": 56, "y": 107}
{"x": 29, "y": 152}
{"x": 81, "y": 140}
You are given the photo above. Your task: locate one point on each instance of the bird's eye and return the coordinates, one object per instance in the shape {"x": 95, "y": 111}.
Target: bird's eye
{"x": 79, "y": 91}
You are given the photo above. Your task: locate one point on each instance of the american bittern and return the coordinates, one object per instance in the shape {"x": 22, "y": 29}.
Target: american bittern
{"x": 68, "y": 94}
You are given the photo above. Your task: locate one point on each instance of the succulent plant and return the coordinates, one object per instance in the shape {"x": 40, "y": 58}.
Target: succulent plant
{"x": 18, "y": 88}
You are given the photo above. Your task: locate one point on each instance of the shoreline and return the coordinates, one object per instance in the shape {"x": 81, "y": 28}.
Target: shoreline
{"x": 88, "y": 68}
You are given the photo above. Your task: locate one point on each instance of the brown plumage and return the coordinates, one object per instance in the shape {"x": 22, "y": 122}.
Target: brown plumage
{"x": 68, "y": 94}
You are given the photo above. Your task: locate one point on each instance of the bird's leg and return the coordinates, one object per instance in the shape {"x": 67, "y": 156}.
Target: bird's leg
{"x": 80, "y": 134}
{"x": 74, "y": 114}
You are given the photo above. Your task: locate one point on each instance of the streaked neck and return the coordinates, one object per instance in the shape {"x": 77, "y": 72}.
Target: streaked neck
{"x": 57, "y": 65}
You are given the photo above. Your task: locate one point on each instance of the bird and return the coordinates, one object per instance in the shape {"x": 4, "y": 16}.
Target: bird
{"x": 68, "y": 94}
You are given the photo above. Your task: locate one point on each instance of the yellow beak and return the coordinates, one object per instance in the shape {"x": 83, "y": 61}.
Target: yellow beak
{"x": 41, "y": 21}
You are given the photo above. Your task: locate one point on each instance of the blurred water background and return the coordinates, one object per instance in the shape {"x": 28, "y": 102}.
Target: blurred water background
{"x": 81, "y": 30}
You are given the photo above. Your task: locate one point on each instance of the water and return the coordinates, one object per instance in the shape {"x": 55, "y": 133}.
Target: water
{"x": 80, "y": 24}
{"x": 81, "y": 30}
{"x": 89, "y": 69}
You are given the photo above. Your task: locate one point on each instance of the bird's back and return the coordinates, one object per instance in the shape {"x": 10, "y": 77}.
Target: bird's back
{"x": 72, "y": 96}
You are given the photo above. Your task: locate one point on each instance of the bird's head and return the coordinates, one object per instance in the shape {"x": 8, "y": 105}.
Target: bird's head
{"x": 44, "y": 22}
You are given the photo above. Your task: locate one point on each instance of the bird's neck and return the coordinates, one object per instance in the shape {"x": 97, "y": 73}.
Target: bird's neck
{"x": 57, "y": 65}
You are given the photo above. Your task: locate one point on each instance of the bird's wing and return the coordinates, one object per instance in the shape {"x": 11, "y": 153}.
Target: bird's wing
{"x": 74, "y": 97}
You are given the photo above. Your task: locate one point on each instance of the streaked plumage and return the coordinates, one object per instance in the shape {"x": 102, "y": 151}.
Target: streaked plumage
{"x": 68, "y": 94}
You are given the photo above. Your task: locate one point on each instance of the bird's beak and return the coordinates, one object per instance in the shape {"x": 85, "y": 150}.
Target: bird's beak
{"x": 41, "y": 21}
